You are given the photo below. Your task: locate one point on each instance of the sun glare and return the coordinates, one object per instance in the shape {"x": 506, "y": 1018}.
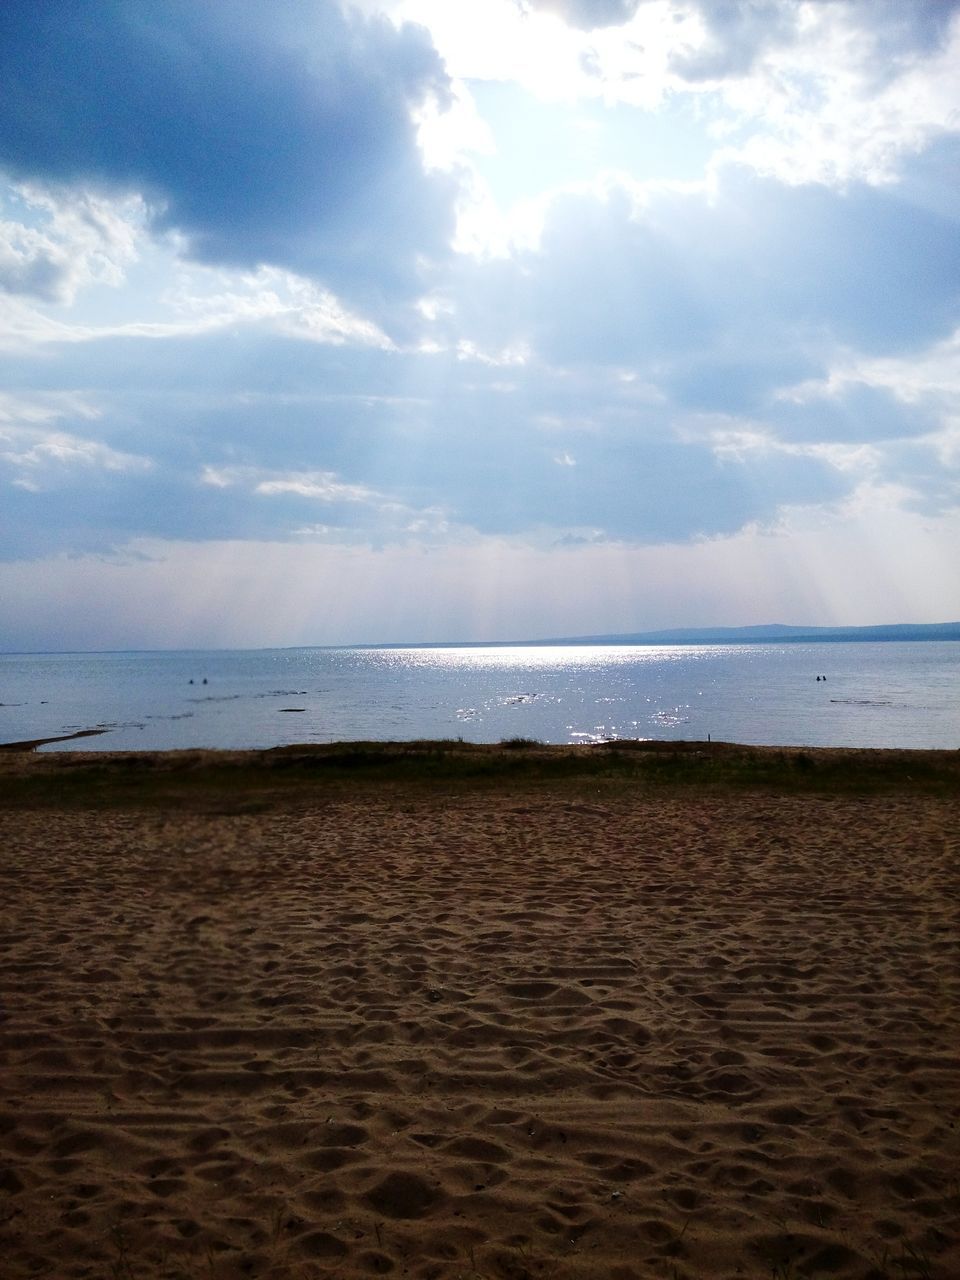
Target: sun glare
{"x": 496, "y": 40}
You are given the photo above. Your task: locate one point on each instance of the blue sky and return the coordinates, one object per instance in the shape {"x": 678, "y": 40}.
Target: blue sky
{"x": 475, "y": 319}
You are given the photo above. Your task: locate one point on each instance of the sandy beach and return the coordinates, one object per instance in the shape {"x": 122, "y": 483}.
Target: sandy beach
{"x": 518, "y": 1029}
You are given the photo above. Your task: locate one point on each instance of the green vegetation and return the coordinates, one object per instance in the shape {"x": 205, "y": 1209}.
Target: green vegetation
{"x": 254, "y": 781}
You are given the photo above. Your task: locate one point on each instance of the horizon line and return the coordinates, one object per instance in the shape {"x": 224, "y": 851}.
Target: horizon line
{"x": 744, "y": 633}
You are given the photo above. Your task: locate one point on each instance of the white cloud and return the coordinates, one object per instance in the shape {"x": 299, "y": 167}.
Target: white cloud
{"x": 740, "y": 442}
{"x": 317, "y": 484}
{"x": 283, "y": 301}
{"x": 67, "y": 240}
{"x": 200, "y": 300}
{"x": 322, "y": 485}
{"x": 383, "y": 515}
{"x": 805, "y": 92}
{"x": 448, "y": 132}
{"x": 512, "y": 356}
{"x": 497, "y": 40}
{"x": 801, "y": 92}
{"x": 929, "y": 376}
{"x": 815, "y": 111}
{"x": 35, "y": 454}
{"x": 946, "y": 444}
{"x": 929, "y": 379}
{"x": 17, "y": 410}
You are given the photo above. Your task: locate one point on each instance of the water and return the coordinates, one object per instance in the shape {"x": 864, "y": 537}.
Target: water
{"x": 875, "y": 694}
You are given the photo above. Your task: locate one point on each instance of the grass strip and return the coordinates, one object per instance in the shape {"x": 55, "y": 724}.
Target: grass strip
{"x": 297, "y": 776}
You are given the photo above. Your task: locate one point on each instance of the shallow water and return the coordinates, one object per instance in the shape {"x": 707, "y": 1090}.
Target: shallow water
{"x": 878, "y": 694}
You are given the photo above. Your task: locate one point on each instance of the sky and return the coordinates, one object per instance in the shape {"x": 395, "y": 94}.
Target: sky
{"x": 427, "y": 320}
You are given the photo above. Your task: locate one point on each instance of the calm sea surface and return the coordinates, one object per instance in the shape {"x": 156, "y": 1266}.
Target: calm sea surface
{"x": 875, "y": 694}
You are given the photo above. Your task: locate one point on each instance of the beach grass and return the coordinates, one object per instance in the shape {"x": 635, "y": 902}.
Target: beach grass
{"x": 254, "y": 780}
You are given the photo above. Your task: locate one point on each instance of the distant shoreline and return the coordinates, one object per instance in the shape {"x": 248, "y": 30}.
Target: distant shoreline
{"x": 772, "y": 634}
{"x": 765, "y": 634}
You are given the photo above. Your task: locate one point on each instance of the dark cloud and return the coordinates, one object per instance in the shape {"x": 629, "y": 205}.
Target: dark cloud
{"x": 857, "y": 414}
{"x": 721, "y": 301}
{"x": 40, "y": 276}
{"x": 739, "y": 31}
{"x": 632, "y": 476}
{"x": 275, "y": 133}
{"x": 418, "y": 433}
{"x": 590, "y": 14}
{"x": 900, "y": 27}
{"x": 736, "y": 34}
{"x": 714, "y": 306}
{"x": 929, "y": 179}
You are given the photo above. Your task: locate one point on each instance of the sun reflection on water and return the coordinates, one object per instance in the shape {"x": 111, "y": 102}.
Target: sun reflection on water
{"x": 546, "y": 656}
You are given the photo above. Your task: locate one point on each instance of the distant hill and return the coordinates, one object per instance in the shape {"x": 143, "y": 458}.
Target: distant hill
{"x": 773, "y": 633}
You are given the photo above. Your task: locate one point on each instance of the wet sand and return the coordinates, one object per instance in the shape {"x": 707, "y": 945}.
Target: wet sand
{"x": 511, "y": 1031}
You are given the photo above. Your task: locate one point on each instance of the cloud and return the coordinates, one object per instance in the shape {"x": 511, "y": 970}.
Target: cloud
{"x": 275, "y": 299}
{"x": 733, "y": 33}
{"x": 201, "y": 300}
{"x": 832, "y": 92}
{"x": 719, "y": 356}
{"x": 68, "y": 242}
{"x": 734, "y": 36}
{"x": 718, "y": 297}
{"x": 590, "y": 14}
{"x": 324, "y": 486}
{"x": 867, "y": 561}
{"x": 36, "y": 454}
{"x": 63, "y": 490}
{"x": 851, "y": 101}
{"x": 279, "y": 134}
{"x": 30, "y": 263}
{"x": 906, "y": 406}
{"x": 903, "y": 28}
{"x": 669, "y": 340}
{"x": 931, "y": 375}
{"x": 258, "y": 438}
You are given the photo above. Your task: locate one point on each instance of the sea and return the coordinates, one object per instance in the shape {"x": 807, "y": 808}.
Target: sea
{"x": 847, "y": 694}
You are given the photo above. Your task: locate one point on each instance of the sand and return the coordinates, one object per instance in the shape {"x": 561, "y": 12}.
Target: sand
{"x": 482, "y": 1033}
